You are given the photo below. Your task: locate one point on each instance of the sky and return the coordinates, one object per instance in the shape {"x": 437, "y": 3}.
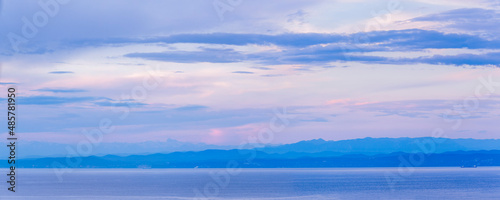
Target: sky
{"x": 221, "y": 72}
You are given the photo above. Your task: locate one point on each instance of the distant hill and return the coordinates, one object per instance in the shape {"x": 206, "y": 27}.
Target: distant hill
{"x": 366, "y": 146}
{"x": 256, "y": 159}
{"x": 371, "y": 146}
{"x": 32, "y": 149}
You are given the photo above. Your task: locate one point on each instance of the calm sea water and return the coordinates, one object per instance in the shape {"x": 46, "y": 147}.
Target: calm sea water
{"x": 359, "y": 183}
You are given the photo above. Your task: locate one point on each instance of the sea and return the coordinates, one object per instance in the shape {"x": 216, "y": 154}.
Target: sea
{"x": 239, "y": 184}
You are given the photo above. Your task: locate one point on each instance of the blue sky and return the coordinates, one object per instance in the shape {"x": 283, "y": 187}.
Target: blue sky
{"x": 343, "y": 69}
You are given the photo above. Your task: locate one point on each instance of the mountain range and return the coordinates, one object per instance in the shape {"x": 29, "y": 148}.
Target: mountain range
{"x": 366, "y": 152}
{"x": 368, "y": 146}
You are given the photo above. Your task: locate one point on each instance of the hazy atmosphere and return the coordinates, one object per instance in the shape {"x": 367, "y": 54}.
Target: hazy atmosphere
{"x": 250, "y": 99}
{"x": 218, "y": 73}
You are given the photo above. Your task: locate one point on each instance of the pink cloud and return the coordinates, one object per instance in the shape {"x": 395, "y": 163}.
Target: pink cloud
{"x": 348, "y": 101}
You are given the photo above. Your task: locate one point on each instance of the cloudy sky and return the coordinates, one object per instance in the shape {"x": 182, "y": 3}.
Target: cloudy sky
{"x": 218, "y": 71}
